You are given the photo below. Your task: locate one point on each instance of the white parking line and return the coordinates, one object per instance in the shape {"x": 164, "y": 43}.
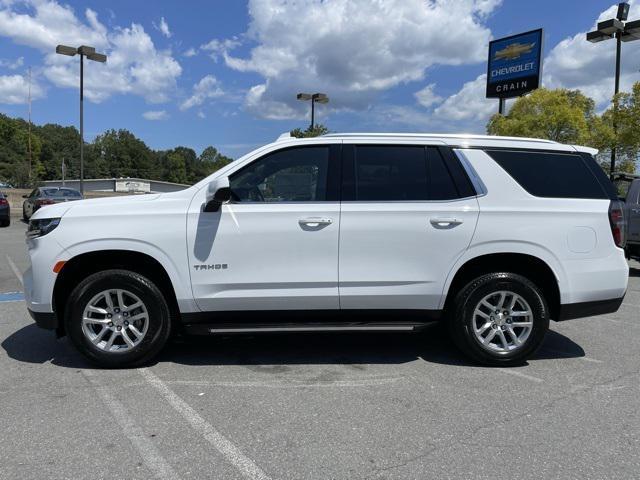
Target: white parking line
{"x": 243, "y": 463}
{"x": 151, "y": 456}
{"x": 15, "y": 269}
{"x": 511, "y": 371}
{"x": 362, "y": 382}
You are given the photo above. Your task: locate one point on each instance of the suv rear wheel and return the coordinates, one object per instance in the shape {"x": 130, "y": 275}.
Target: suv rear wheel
{"x": 499, "y": 319}
{"x": 117, "y": 318}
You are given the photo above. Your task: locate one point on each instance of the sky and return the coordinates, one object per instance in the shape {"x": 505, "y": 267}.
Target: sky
{"x": 226, "y": 72}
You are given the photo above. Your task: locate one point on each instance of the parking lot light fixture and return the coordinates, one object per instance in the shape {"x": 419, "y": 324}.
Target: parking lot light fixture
{"x": 315, "y": 98}
{"x": 622, "y": 31}
{"x": 91, "y": 54}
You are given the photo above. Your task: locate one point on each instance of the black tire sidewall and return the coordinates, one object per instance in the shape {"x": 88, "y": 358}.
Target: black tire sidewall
{"x": 159, "y": 318}
{"x": 468, "y": 299}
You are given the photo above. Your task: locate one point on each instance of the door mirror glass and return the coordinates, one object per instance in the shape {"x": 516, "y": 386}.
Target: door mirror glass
{"x": 218, "y": 192}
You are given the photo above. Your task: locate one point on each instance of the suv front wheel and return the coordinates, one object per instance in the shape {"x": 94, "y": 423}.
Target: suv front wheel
{"x": 117, "y": 318}
{"x": 499, "y": 319}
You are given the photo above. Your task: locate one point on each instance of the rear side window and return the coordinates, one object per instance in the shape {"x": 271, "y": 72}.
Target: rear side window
{"x": 391, "y": 173}
{"x": 550, "y": 174}
{"x": 383, "y": 173}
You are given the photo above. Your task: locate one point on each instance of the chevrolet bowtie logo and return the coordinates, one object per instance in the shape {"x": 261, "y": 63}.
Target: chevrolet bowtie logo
{"x": 513, "y": 51}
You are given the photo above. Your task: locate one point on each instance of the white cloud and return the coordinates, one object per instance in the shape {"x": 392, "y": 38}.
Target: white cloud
{"x": 14, "y": 89}
{"x": 133, "y": 66}
{"x": 353, "y": 49}
{"x": 469, "y": 104}
{"x": 191, "y": 52}
{"x": 12, "y": 64}
{"x": 208, "y": 87}
{"x": 427, "y": 97}
{"x": 216, "y": 47}
{"x": 201, "y": 114}
{"x": 163, "y": 27}
{"x": 156, "y": 115}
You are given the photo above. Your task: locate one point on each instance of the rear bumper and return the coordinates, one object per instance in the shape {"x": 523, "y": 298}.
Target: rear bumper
{"x": 570, "y": 311}
{"x": 46, "y": 320}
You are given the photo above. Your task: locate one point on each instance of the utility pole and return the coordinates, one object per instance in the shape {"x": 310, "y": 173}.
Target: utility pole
{"x": 30, "y": 154}
{"x": 622, "y": 31}
{"x": 315, "y": 98}
{"x": 90, "y": 53}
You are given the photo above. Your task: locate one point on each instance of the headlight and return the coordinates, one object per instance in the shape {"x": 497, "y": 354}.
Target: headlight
{"x": 40, "y": 227}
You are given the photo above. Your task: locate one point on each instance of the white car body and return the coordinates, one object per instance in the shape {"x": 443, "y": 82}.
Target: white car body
{"x": 371, "y": 256}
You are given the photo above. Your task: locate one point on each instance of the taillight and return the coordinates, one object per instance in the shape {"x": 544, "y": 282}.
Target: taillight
{"x": 44, "y": 201}
{"x": 4, "y": 201}
{"x": 618, "y": 224}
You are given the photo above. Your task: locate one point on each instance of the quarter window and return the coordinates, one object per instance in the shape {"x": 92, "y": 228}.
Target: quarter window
{"x": 291, "y": 175}
{"x": 550, "y": 174}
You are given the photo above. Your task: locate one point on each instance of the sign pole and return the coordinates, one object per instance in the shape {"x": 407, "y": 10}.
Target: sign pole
{"x": 501, "y": 105}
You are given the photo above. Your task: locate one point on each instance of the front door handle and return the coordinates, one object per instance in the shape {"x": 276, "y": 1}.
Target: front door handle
{"x": 315, "y": 221}
{"x": 445, "y": 222}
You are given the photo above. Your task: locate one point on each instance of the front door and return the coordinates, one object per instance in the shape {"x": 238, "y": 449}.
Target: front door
{"x": 407, "y": 216}
{"x": 275, "y": 245}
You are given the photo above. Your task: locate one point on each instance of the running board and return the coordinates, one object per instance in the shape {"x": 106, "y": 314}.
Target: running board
{"x": 210, "y": 329}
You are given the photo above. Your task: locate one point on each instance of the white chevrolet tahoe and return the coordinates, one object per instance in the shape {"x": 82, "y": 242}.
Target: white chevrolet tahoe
{"x": 494, "y": 236}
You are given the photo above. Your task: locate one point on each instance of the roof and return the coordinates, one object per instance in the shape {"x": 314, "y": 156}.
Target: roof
{"x": 461, "y": 140}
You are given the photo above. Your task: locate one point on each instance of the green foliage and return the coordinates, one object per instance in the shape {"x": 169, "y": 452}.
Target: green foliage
{"x": 317, "y": 130}
{"x": 568, "y": 116}
{"x": 115, "y": 153}
{"x": 560, "y": 115}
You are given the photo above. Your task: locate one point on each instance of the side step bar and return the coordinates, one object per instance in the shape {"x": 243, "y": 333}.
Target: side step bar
{"x": 212, "y": 328}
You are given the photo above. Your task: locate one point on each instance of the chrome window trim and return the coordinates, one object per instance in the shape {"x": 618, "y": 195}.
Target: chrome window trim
{"x": 478, "y": 184}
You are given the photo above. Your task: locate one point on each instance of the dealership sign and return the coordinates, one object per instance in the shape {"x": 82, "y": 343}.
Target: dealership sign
{"x": 515, "y": 65}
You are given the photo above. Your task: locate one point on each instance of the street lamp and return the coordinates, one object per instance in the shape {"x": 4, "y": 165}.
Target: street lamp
{"x": 622, "y": 31}
{"x": 90, "y": 53}
{"x": 315, "y": 98}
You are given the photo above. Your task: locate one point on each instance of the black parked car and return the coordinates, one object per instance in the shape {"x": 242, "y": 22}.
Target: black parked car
{"x": 5, "y": 211}
{"x": 46, "y": 196}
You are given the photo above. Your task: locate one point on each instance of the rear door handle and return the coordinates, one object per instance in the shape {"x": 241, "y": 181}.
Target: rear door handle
{"x": 315, "y": 221}
{"x": 444, "y": 222}
{"x": 635, "y": 210}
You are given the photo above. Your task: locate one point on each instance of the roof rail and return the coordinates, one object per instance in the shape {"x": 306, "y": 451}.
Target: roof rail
{"x": 284, "y": 136}
{"x": 436, "y": 135}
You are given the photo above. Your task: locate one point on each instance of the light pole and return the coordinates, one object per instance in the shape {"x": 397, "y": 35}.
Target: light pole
{"x": 315, "y": 98}
{"x": 90, "y": 53}
{"x": 622, "y": 31}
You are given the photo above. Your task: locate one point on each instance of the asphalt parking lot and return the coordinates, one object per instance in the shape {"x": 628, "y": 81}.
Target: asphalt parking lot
{"x": 376, "y": 406}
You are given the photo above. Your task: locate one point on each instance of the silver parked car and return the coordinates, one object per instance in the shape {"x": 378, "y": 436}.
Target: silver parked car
{"x": 42, "y": 196}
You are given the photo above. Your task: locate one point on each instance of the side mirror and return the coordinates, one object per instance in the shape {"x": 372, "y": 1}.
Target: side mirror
{"x": 218, "y": 192}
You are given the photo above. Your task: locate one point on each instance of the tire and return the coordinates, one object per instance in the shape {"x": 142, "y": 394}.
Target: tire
{"x": 469, "y": 315}
{"x": 133, "y": 350}
{"x": 24, "y": 215}
{"x": 5, "y": 223}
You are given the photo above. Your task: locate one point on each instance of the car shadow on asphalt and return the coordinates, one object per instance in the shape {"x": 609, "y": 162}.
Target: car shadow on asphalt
{"x": 634, "y": 272}
{"x": 33, "y": 345}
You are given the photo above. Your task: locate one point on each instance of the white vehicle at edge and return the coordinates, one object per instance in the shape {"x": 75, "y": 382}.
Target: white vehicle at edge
{"x": 494, "y": 235}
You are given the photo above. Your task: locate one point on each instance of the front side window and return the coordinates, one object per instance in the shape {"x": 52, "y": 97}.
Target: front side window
{"x": 291, "y": 175}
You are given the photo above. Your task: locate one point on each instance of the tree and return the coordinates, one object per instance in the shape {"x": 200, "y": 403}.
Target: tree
{"x": 176, "y": 168}
{"x": 625, "y": 114}
{"x": 565, "y": 116}
{"x": 211, "y": 160}
{"x": 317, "y": 130}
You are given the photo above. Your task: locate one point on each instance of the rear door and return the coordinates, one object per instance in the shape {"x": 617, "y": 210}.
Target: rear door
{"x": 408, "y": 213}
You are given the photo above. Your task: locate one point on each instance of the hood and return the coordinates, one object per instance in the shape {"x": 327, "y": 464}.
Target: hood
{"x": 57, "y": 210}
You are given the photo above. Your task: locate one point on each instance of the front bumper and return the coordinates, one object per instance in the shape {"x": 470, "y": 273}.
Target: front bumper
{"x": 570, "y": 311}
{"x": 46, "y": 320}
